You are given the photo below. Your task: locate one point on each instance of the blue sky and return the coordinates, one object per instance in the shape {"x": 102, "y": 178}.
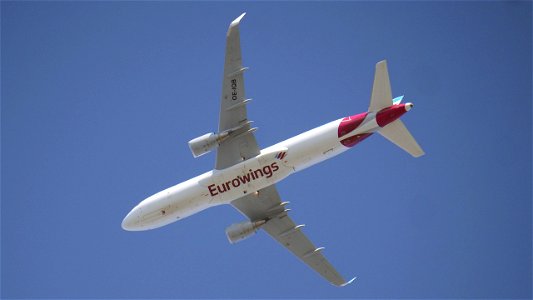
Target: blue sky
{"x": 99, "y": 100}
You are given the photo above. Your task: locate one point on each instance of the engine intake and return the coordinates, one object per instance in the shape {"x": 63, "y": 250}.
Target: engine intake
{"x": 241, "y": 231}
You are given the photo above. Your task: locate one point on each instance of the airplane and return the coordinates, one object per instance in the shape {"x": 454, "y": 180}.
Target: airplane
{"x": 245, "y": 176}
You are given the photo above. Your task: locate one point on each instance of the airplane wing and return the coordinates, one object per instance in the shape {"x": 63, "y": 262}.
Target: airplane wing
{"x": 267, "y": 205}
{"x": 241, "y": 145}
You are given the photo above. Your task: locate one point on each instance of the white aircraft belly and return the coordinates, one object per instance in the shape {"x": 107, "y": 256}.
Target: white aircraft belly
{"x": 223, "y": 186}
{"x": 313, "y": 146}
{"x": 209, "y": 189}
{"x": 170, "y": 205}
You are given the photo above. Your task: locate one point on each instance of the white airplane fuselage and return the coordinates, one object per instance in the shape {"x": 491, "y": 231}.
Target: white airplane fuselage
{"x": 273, "y": 164}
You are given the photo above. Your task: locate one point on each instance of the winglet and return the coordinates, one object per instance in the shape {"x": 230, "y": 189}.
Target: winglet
{"x": 348, "y": 282}
{"x": 237, "y": 21}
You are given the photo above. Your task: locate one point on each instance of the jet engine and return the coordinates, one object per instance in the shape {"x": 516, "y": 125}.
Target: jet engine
{"x": 241, "y": 231}
{"x": 209, "y": 141}
{"x": 206, "y": 143}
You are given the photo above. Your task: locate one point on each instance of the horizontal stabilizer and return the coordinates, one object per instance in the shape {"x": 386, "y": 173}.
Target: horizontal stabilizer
{"x": 397, "y": 133}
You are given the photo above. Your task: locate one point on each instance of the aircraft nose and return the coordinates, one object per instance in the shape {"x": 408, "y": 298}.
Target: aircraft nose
{"x": 132, "y": 221}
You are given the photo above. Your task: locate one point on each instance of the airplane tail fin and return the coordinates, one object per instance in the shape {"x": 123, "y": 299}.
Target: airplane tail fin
{"x": 381, "y": 91}
{"x": 396, "y": 132}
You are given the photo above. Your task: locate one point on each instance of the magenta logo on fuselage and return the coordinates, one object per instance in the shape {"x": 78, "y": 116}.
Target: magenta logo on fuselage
{"x": 281, "y": 155}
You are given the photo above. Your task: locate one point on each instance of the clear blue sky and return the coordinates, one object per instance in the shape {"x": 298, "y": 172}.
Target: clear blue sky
{"x": 99, "y": 100}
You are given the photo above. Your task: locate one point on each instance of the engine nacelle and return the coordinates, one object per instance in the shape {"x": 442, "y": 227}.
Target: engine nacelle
{"x": 241, "y": 231}
{"x": 206, "y": 143}
{"x": 209, "y": 141}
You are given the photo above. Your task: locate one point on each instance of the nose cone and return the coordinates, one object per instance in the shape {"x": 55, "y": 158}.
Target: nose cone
{"x": 132, "y": 221}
